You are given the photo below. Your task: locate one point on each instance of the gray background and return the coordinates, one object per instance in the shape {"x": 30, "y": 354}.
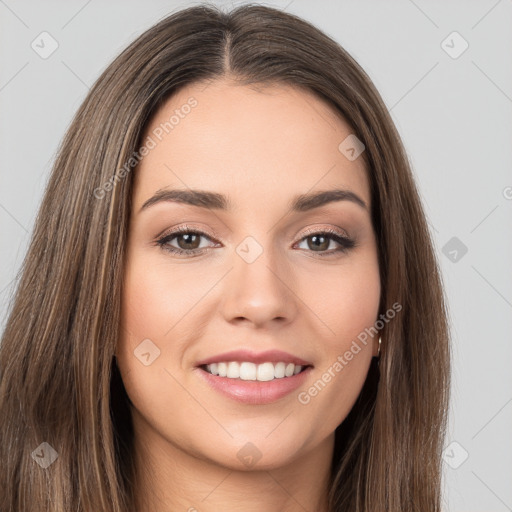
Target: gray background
{"x": 453, "y": 112}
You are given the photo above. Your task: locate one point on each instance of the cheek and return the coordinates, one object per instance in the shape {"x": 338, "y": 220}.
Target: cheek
{"x": 152, "y": 304}
{"x": 159, "y": 304}
{"x": 156, "y": 298}
{"x": 346, "y": 300}
{"x": 145, "y": 318}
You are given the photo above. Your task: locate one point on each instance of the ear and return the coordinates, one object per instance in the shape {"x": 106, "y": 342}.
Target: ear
{"x": 375, "y": 346}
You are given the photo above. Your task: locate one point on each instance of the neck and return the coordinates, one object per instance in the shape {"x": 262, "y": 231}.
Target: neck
{"x": 170, "y": 477}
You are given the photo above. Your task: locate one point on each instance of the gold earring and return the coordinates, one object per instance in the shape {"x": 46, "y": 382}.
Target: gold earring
{"x": 380, "y": 342}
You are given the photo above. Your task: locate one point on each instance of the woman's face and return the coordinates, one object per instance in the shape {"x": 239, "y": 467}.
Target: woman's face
{"x": 252, "y": 280}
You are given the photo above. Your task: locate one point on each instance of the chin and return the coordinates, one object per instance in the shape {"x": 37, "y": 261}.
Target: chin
{"x": 257, "y": 452}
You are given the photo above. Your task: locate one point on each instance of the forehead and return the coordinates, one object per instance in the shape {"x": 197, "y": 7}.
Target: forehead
{"x": 252, "y": 143}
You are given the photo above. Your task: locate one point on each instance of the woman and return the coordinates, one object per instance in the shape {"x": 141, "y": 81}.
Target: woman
{"x": 231, "y": 300}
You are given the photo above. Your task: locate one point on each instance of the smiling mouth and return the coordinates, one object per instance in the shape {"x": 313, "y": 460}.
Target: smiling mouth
{"x": 249, "y": 371}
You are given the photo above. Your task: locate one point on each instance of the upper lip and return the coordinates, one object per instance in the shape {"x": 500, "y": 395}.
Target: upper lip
{"x": 269, "y": 356}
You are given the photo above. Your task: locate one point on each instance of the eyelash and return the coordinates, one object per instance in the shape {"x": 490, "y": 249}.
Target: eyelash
{"x": 344, "y": 242}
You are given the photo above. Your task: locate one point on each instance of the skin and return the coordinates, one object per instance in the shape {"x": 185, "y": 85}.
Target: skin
{"x": 260, "y": 147}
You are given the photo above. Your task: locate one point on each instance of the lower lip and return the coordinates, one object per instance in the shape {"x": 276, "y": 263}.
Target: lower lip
{"x": 255, "y": 392}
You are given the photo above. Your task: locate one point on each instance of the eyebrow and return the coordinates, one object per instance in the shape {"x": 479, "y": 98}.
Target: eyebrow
{"x": 216, "y": 201}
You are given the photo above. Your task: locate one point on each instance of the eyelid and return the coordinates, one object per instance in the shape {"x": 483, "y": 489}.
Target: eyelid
{"x": 329, "y": 229}
{"x": 338, "y": 235}
{"x": 185, "y": 228}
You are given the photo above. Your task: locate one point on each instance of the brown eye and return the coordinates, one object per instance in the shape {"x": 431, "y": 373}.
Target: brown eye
{"x": 184, "y": 241}
{"x": 188, "y": 241}
{"x": 318, "y": 242}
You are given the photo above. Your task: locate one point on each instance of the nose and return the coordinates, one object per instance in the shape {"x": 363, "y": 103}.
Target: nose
{"x": 259, "y": 293}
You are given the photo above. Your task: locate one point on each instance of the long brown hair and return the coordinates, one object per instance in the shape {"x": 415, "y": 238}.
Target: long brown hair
{"x": 59, "y": 382}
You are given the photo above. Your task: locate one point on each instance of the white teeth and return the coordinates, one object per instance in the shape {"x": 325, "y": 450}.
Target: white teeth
{"x": 222, "y": 368}
{"x": 233, "y": 370}
{"x": 265, "y": 372}
{"x": 250, "y": 371}
{"x": 279, "y": 369}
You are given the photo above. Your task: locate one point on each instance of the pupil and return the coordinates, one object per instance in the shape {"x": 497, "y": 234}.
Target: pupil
{"x": 188, "y": 241}
{"x": 316, "y": 239}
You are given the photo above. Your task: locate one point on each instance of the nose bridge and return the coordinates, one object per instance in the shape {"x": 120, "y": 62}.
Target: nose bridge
{"x": 258, "y": 288}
